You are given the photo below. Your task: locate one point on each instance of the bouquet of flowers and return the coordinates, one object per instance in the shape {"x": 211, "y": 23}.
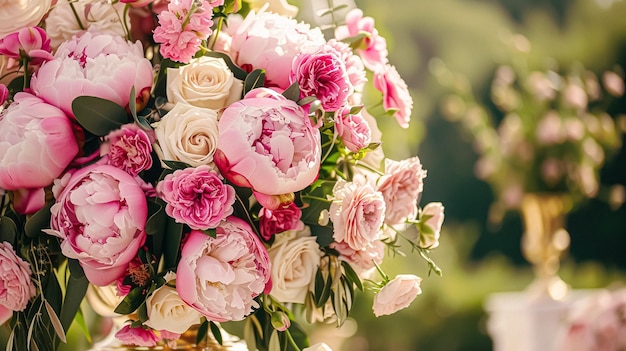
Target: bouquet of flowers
{"x": 208, "y": 160}
{"x": 546, "y": 130}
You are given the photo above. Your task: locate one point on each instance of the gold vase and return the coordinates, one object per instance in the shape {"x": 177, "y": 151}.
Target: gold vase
{"x": 544, "y": 241}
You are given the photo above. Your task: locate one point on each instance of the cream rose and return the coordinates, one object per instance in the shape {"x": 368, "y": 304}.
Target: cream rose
{"x": 187, "y": 134}
{"x": 205, "y": 82}
{"x": 295, "y": 257}
{"x": 166, "y": 311}
{"x": 16, "y": 14}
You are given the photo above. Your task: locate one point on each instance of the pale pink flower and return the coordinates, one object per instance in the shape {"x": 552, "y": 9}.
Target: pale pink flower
{"x": 221, "y": 277}
{"x": 613, "y": 83}
{"x": 167, "y": 335}
{"x": 429, "y": 238}
{"x": 549, "y": 130}
{"x": 269, "y": 41}
{"x": 197, "y": 197}
{"x": 104, "y": 66}
{"x": 182, "y": 28}
{"x": 397, "y": 294}
{"x": 129, "y": 148}
{"x": 100, "y": 214}
{"x": 401, "y": 187}
{"x": 357, "y": 213}
{"x": 279, "y": 220}
{"x": 269, "y": 145}
{"x": 16, "y": 286}
{"x": 362, "y": 261}
{"x": 354, "y": 64}
{"x": 137, "y": 3}
{"x": 373, "y": 50}
{"x": 138, "y": 336}
{"x": 36, "y": 145}
{"x": 353, "y": 129}
{"x": 31, "y": 42}
{"x": 396, "y": 96}
{"x": 322, "y": 74}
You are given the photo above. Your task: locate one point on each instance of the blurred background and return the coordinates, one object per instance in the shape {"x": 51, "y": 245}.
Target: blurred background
{"x": 471, "y": 37}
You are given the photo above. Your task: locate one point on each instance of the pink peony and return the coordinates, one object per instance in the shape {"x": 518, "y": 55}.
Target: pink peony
{"x": 16, "y": 286}
{"x": 353, "y": 129}
{"x": 100, "y": 213}
{"x": 98, "y": 65}
{"x": 401, "y": 187}
{"x": 197, "y": 197}
{"x": 137, "y": 336}
{"x": 357, "y": 213}
{"x": 129, "y": 149}
{"x": 31, "y": 42}
{"x": 36, "y": 145}
{"x": 373, "y": 50}
{"x": 269, "y": 145}
{"x": 279, "y": 220}
{"x": 221, "y": 277}
{"x": 182, "y": 28}
{"x": 354, "y": 64}
{"x": 322, "y": 74}
{"x": 397, "y": 294}
{"x": 396, "y": 96}
{"x": 269, "y": 41}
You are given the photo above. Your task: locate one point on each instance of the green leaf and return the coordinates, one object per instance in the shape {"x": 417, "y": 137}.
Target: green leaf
{"x": 307, "y": 100}
{"x": 351, "y": 275}
{"x": 292, "y": 92}
{"x": 39, "y": 221}
{"x": 202, "y": 332}
{"x": 255, "y": 79}
{"x": 171, "y": 249}
{"x": 76, "y": 270}
{"x": 56, "y": 323}
{"x": 237, "y": 71}
{"x": 80, "y": 320}
{"x": 97, "y": 115}
{"x": 157, "y": 219}
{"x": 75, "y": 292}
{"x": 16, "y": 85}
{"x": 131, "y": 302}
{"x": 176, "y": 164}
{"x": 217, "y": 333}
{"x": 8, "y": 230}
{"x": 210, "y": 232}
{"x": 249, "y": 335}
{"x": 132, "y": 103}
{"x": 161, "y": 81}
{"x": 274, "y": 342}
{"x": 142, "y": 312}
{"x": 323, "y": 235}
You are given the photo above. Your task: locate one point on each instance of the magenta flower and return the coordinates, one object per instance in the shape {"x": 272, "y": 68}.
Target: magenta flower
{"x": 221, "y": 277}
{"x": 137, "y": 336}
{"x": 373, "y": 50}
{"x": 268, "y": 144}
{"x": 4, "y": 94}
{"x": 277, "y": 221}
{"x": 182, "y": 28}
{"x": 322, "y": 74}
{"x": 396, "y": 96}
{"x": 100, "y": 214}
{"x": 129, "y": 149}
{"x": 28, "y": 42}
{"x": 197, "y": 197}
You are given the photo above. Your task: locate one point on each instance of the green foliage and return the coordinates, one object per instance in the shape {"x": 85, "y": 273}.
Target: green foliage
{"x": 97, "y": 115}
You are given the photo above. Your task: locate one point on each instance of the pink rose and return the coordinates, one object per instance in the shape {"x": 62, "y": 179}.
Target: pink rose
{"x": 357, "y": 213}
{"x": 269, "y": 145}
{"x": 353, "y": 129}
{"x": 129, "y": 149}
{"x": 31, "y": 42}
{"x": 354, "y": 64}
{"x": 182, "y": 28}
{"x": 137, "y": 336}
{"x": 322, "y": 74}
{"x": 197, "y": 197}
{"x": 36, "y": 143}
{"x": 396, "y": 96}
{"x": 100, "y": 213}
{"x": 362, "y": 261}
{"x": 397, "y": 294}
{"x": 373, "y": 50}
{"x": 432, "y": 216}
{"x": 269, "y": 41}
{"x": 98, "y": 65}
{"x": 401, "y": 186}
{"x": 279, "y": 220}
{"x": 221, "y": 277}
{"x": 16, "y": 287}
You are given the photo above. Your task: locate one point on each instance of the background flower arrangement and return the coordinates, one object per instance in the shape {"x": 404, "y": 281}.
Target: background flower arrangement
{"x": 545, "y": 130}
{"x": 223, "y": 168}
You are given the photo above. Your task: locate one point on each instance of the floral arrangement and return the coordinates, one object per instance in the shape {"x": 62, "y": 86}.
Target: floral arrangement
{"x": 543, "y": 130}
{"x": 208, "y": 160}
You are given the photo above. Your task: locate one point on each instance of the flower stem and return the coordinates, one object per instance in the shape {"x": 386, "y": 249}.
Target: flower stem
{"x": 80, "y": 24}
{"x": 218, "y": 30}
{"x": 291, "y": 340}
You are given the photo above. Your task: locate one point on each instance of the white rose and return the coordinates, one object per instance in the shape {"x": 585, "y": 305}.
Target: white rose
{"x": 188, "y": 134}
{"x": 397, "y": 294}
{"x": 166, "y": 311}
{"x": 16, "y": 14}
{"x": 295, "y": 257}
{"x": 318, "y": 347}
{"x": 205, "y": 82}
{"x": 96, "y": 16}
